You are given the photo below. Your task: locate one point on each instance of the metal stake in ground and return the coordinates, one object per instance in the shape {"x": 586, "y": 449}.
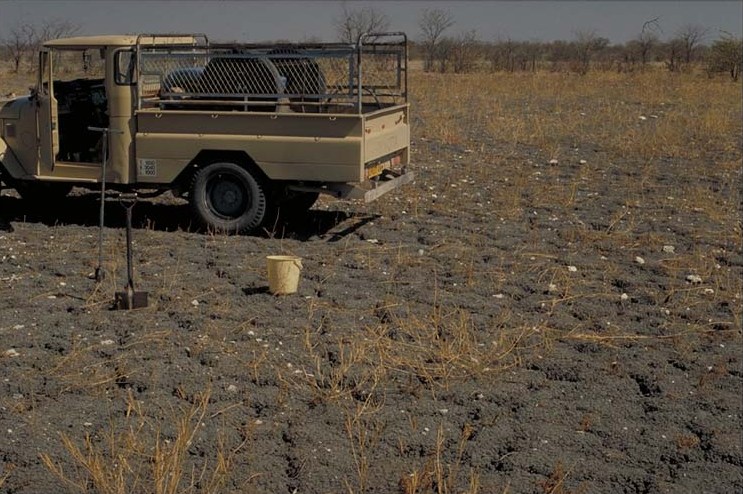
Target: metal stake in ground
{"x": 99, "y": 274}
{"x": 129, "y": 299}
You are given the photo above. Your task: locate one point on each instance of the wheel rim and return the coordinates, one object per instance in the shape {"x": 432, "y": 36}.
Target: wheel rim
{"x": 227, "y": 196}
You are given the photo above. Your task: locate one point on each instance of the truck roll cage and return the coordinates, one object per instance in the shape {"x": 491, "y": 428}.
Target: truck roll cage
{"x": 299, "y": 77}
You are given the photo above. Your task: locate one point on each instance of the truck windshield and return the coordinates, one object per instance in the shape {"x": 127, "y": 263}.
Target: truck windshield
{"x": 78, "y": 64}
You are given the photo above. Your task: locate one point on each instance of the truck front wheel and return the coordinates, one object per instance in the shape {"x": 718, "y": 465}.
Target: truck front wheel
{"x": 228, "y": 198}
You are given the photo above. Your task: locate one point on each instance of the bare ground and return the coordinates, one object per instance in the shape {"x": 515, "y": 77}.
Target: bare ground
{"x": 502, "y": 325}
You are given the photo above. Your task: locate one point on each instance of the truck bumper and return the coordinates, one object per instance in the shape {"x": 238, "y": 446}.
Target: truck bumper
{"x": 387, "y": 182}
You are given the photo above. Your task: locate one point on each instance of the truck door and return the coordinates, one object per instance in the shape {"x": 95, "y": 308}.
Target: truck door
{"x": 46, "y": 116}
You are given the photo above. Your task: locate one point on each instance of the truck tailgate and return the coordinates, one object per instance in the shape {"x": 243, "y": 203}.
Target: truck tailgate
{"x": 386, "y": 135}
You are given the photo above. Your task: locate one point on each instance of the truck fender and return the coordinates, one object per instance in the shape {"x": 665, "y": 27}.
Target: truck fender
{"x": 9, "y": 162}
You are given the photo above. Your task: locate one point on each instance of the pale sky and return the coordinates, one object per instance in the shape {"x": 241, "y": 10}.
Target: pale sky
{"x": 224, "y": 20}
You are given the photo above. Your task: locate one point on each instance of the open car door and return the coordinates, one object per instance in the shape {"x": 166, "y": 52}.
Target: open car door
{"x": 46, "y": 116}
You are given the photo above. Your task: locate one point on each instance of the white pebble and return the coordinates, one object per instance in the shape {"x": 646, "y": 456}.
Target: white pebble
{"x": 107, "y": 342}
{"x": 624, "y": 296}
{"x": 583, "y": 162}
{"x": 639, "y": 260}
{"x": 572, "y": 269}
{"x": 669, "y": 249}
{"x": 11, "y": 353}
{"x": 694, "y": 278}
{"x": 195, "y": 303}
{"x": 708, "y": 291}
{"x": 232, "y": 388}
{"x": 553, "y": 162}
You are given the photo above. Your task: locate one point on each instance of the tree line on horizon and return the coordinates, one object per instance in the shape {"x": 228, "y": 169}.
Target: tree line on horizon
{"x": 443, "y": 51}
{"x": 466, "y": 51}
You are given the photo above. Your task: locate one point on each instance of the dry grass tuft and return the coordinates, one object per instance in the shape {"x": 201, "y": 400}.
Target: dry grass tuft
{"x": 437, "y": 476}
{"x": 140, "y": 459}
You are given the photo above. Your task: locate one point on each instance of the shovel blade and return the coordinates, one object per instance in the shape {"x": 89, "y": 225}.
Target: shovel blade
{"x": 122, "y": 301}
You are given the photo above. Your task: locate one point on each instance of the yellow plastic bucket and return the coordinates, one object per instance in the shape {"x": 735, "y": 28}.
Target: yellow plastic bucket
{"x": 283, "y": 274}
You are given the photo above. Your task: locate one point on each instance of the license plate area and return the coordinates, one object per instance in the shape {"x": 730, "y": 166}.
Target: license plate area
{"x": 372, "y": 170}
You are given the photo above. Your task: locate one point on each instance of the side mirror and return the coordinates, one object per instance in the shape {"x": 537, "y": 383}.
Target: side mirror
{"x": 33, "y": 92}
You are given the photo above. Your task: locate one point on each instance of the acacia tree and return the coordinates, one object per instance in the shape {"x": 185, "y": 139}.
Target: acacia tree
{"x": 502, "y": 55}
{"x": 587, "y": 42}
{"x": 531, "y": 52}
{"x": 433, "y": 23}
{"x": 673, "y": 50}
{"x": 726, "y": 55}
{"x": 465, "y": 51}
{"x": 690, "y": 37}
{"x": 18, "y": 43}
{"x": 646, "y": 41}
{"x": 352, "y": 23}
{"x": 25, "y": 40}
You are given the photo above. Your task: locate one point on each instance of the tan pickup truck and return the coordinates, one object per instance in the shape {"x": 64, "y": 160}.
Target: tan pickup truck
{"x": 244, "y": 131}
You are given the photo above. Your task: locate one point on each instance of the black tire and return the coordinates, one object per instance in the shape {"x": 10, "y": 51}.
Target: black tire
{"x": 226, "y": 197}
{"x": 41, "y": 193}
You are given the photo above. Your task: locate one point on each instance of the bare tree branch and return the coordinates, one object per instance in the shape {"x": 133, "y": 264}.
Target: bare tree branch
{"x": 691, "y": 36}
{"x": 433, "y": 23}
{"x": 24, "y": 41}
{"x": 651, "y": 25}
{"x": 352, "y": 23}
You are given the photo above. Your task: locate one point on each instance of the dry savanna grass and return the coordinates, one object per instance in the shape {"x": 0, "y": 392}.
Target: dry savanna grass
{"x": 496, "y": 228}
{"x": 638, "y": 133}
{"x": 647, "y": 115}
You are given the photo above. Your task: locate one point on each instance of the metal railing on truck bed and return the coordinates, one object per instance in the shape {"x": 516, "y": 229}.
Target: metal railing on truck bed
{"x": 313, "y": 78}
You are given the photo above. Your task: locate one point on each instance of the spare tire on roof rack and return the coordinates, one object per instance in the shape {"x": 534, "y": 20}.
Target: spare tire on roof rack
{"x": 239, "y": 76}
{"x": 305, "y": 82}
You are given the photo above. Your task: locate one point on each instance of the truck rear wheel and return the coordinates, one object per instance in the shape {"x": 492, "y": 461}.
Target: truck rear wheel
{"x": 228, "y": 198}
